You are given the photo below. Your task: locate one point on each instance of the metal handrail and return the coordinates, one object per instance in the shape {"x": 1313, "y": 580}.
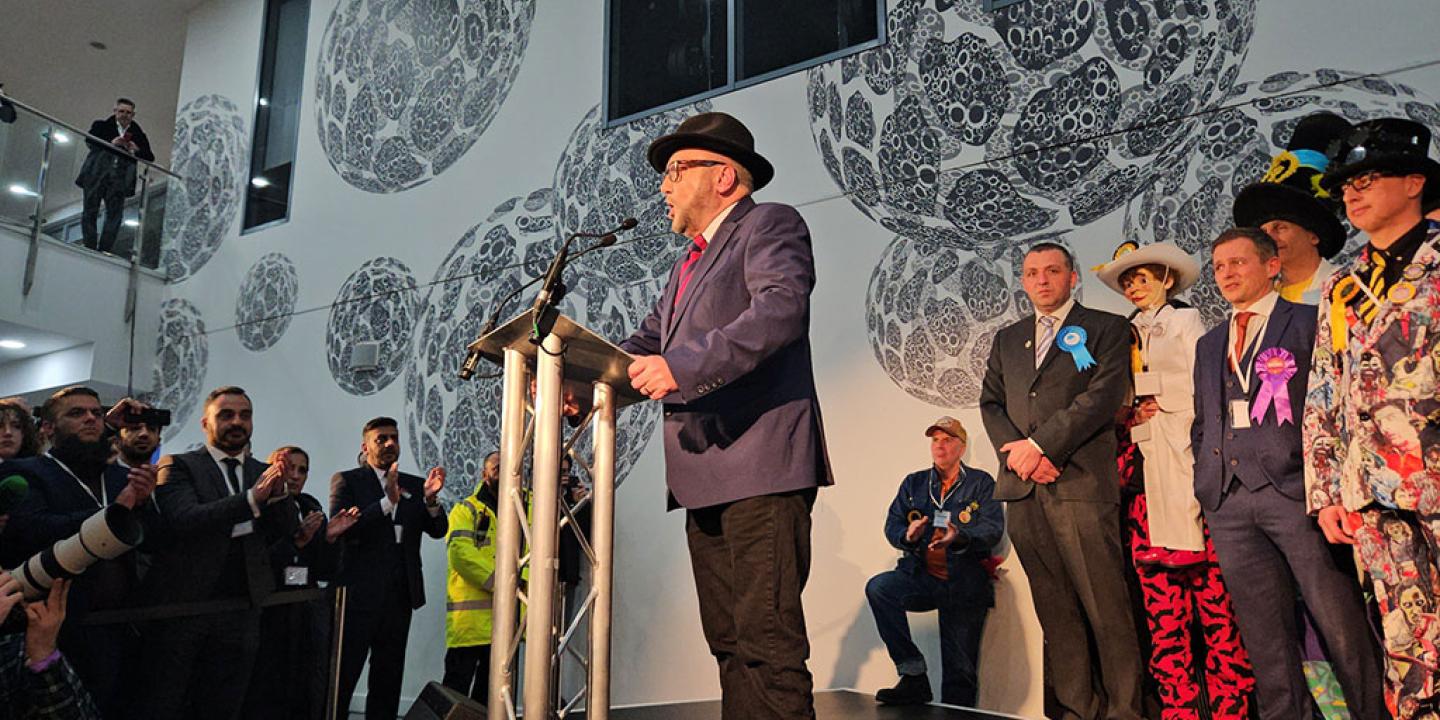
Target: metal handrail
{"x": 107, "y": 144}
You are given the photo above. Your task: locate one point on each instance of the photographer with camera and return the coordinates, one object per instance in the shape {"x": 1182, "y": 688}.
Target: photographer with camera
{"x": 67, "y": 485}
{"x": 36, "y": 681}
{"x": 222, "y": 508}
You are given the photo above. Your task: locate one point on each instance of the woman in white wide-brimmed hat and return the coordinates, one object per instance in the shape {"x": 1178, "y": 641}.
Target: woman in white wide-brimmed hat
{"x": 1175, "y": 564}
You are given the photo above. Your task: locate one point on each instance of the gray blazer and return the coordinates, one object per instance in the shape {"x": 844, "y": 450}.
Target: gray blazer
{"x": 1069, "y": 413}
{"x": 746, "y": 420}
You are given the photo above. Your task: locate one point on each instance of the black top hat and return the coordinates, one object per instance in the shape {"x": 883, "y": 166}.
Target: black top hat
{"x": 1291, "y": 188}
{"x": 716, "y": 132}
{"x": 1393, "y": 145}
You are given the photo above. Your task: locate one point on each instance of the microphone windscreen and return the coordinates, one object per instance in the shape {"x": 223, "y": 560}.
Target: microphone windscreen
{"x": 606, "y": 241}
{"x": 12, "y": 490}
{"x": 629, "y": 223}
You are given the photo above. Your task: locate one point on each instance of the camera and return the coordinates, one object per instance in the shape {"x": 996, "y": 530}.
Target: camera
{"x": 106, "y": 535}
{"x": 154, "y": 417}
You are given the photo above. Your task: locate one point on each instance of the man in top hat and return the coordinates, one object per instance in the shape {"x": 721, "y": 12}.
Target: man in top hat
{"x": 945, "y": 523}
{"x": 1371, "y": 440}
{"x": 1291, "y": 207}
{"x": 727, "y": 350}
{"x": 1053, "y": 386}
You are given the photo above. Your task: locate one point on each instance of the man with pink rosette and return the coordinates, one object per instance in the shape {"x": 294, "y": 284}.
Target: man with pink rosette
{"x": 1372, "y": 446}
{"x": 1250, "y": 375}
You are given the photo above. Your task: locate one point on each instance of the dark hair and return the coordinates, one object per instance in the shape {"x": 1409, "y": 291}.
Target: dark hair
{"x": 1044, "y": 246}
{"x": 125, "y": 101}
{"x": 47, "y": 411}
{"x": 225, "y": 390}
{"x": 29, "y": 434}
{"x": 287, "y": 449}
{"x": 379, "y": 422}
{"x": 1158, "y": 270}
{"x": 495, "y": 453}
{"x": 1264, "y": 244}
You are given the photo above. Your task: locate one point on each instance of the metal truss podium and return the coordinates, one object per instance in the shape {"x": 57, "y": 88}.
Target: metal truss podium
{"x": 570, "y": 363}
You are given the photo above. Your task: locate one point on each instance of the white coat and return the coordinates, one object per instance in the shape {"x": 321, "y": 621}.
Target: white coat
{"x": 1168, "y": 336}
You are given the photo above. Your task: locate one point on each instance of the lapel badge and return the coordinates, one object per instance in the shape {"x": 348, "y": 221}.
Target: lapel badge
{"x": 1414, "y": 271}
{"x": 964, "y": 517}
{"x": 1028, "y": 343}
{"x": 1401, "y": 292}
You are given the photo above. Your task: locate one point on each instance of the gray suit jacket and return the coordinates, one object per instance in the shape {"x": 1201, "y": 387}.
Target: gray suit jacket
{"x": 1069, "y": 413}
{"x": 746, "y": 420}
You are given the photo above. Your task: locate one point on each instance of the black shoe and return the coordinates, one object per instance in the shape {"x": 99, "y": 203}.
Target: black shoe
{"x": 911, "y": 690}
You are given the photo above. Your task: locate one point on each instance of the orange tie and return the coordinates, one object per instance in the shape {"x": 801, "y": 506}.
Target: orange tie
{"x": 1242, "y": 321}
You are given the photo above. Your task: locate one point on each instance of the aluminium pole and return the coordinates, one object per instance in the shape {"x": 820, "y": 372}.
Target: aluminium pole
{"x": 508, "y": 543}
{"x": 602, "y": 540}
{"x": 544, "y": 526}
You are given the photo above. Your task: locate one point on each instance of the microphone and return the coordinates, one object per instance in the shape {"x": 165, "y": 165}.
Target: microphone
{"x": 472, "y": 359}
{"x": 557, "y": 266}
{"x": 12, "y": 490}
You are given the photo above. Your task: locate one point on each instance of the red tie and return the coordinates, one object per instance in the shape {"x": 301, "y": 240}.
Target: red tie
{"x": 1242, "y": 321}
{"x": 688, "y": 268}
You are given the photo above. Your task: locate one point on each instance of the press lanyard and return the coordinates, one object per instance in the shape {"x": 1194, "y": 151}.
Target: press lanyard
{"x": 940, "y": 503}
{"x": 1244, "y": 373}
{"x": 103, "y": 495}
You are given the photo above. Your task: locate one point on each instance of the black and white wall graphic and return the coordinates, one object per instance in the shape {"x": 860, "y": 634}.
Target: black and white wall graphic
{"x": 266, "y": 302}
{"x": 403, "y": 89}
{"x": 209, "y": 153}
{"x": 182, "y": 355}
{"x": 377, "y": 303}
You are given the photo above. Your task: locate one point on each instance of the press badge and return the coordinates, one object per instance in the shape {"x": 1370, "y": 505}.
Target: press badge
{"x": 942, "y": 519}
{"x": 1239, "y": 414}
{"x": 1142, "y": 432}
{"x": 1147, "y": 384}
{"x": 242, "y": 529}
{"x": 297, "y": 575}
{"x": 399, "y": 529}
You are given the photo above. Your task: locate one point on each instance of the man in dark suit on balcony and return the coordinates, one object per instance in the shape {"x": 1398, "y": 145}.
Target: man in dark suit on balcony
{"x": 380, "y": 563}
{"x": 108, "y": 176}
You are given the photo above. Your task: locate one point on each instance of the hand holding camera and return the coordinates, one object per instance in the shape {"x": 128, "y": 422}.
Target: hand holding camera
{"x": 140, "y": 484}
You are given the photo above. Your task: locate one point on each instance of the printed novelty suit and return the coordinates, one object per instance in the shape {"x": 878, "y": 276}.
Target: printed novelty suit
{"x": 1372, "y": 446}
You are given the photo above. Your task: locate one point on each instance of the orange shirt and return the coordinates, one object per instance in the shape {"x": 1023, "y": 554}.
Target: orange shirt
{"x": 935, "y": 559}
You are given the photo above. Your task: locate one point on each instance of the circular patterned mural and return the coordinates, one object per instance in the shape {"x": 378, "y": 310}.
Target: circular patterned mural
{"x": 403, "y": 89}
{"x": 377, "y": 303}
{"x": 209, "y": 153}
{"x": 932, "y": 314}
{"x": 970, "y": 128}
{"x": 455, "y": 423}
{"x": 182, "y": 353}
{"x": 266, "y": 301}
{"x": 1191, "y": 199}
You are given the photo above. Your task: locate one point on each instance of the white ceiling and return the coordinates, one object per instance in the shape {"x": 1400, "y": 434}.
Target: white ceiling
{"x": 37, "y": 342}
{"x": 46, "y": 59}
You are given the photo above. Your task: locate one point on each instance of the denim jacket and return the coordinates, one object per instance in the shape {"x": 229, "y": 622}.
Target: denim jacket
{"x": 979, "y": 517}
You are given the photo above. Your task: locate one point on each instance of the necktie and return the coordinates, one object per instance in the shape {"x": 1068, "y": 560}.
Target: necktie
{"x": 688, "y": 268}
{"x": 1047, "y": 336}
{"x": 1242, "y": 321}
{"x": 232, "y": 468}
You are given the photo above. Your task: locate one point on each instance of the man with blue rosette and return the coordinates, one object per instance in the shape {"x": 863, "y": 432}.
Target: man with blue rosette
{"x": 1250, "y": 375}
{"x": 1053, "y": 386}
{"x": 1372, "y": 417}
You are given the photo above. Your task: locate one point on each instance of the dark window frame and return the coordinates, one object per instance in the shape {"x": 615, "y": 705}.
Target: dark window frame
{"x": 732, "y": 42}
{"x": 264, "y": 87}
{"x": 993, "y": 5}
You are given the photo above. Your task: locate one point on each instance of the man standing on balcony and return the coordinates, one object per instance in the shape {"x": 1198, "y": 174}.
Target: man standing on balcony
{"x": 108, "y": 176}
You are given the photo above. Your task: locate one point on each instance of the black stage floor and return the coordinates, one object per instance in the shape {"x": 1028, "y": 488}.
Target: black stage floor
{"x": 829, "y": 705}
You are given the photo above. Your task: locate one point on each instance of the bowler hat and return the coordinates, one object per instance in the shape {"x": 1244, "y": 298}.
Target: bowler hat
{"x": 1291, "y": 188}
{"x": 1392, "y": 145}
{"x": 716, "y": 132}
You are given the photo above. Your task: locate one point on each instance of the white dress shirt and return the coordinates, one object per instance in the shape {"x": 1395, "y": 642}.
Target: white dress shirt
{"x": 1059, "y": 314}
{"x": 219, "y": 456}
{"x": 1262, "y": 309}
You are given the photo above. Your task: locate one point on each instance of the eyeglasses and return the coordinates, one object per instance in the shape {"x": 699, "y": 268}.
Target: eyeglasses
{"x": 673, "y": 170}
{"x": 1361, "y": 183}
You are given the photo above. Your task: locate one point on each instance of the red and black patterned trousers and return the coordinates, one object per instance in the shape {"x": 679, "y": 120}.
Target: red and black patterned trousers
{"x": 1179, "y": 602}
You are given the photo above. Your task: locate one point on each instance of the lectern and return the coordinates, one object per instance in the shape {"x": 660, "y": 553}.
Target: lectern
{"x": 568, "y": 361}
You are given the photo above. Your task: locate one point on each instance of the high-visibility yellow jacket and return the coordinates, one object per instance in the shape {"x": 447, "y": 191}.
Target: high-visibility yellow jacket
{"x": 471, "y": 579}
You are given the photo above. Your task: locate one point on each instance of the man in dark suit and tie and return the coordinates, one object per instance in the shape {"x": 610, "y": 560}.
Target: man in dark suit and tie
{"x": 67, "y": 485}
{"x": 108, "y": 176}
{"x": 727, "y": 350}
{"x": 380, "y": 563}
{"x": 222, "y": 509}
{"x": 1053, "y": 385}
{"x": 1250, "y": 382}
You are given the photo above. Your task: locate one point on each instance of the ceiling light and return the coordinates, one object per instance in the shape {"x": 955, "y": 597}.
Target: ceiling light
{"x": 264, "y": 102}
{"x": 132, "y": 223}
{"x": 19, "y": 189}
{"x": 260, "y": 182}
{"x": 9, "y": 344}
{"x": 60, "y": 137}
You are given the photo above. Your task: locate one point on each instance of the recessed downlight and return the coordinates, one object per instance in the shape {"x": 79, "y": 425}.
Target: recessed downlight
{"x": 11, "y": 344}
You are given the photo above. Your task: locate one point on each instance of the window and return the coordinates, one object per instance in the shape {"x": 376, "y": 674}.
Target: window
{"x": 277, "y": 113}
{"x": 993, "y": 5}
{"x": 664, "y": 53}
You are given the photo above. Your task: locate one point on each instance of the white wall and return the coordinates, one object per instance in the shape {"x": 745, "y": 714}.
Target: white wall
{"x": 874, "y": 427}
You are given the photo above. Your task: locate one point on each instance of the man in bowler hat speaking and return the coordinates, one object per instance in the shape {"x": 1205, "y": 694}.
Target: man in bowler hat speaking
{"x": 727, "y": 350}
